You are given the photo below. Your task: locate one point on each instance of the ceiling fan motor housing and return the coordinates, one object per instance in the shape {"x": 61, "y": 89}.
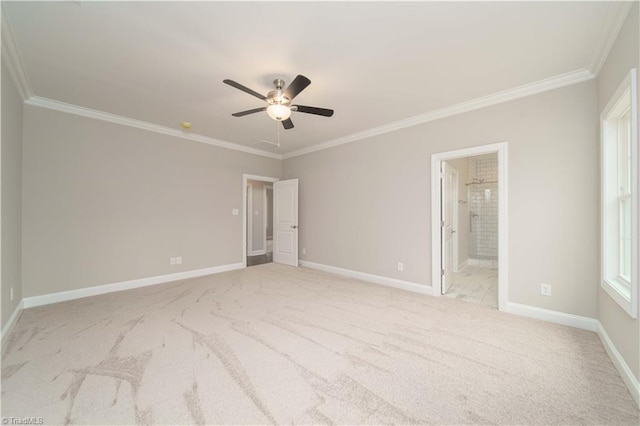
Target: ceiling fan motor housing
{"x": 276, "y": 97}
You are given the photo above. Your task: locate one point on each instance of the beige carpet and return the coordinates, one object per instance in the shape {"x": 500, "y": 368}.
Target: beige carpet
{"x": 275, "y": 344}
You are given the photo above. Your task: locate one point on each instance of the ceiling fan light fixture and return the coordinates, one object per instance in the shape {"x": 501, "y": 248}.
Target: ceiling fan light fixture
{"x": 279, "y": 101}
{"x": 279, "y": 112}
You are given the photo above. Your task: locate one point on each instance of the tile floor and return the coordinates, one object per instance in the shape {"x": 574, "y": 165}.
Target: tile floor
{"x": 476, "y": 284}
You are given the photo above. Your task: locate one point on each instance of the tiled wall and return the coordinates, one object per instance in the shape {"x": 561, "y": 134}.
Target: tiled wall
{"x": 483, "y": 201}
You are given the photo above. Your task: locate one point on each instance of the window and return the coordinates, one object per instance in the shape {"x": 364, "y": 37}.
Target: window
{"x": 619, "y": 144}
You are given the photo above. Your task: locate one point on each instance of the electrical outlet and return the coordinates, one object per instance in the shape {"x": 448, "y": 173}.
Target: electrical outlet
{"x": 400, "y": 266}
{"x": 545, "y": 289}
{"x": 235, "y": 212}
{"x": 12, "y": 294}
{"x": 172, "y": 260}
{"x": 304, "y": 250}
{"x": 179, "y": 260}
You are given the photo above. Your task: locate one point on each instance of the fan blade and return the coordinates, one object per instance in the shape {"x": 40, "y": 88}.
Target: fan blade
{"x": 314, "y": 110}
{"x": 244, "y": 89}
{"x": 297, "y": 85}
{"x": 247, "y": 112}
{"x": 287, "y": 124}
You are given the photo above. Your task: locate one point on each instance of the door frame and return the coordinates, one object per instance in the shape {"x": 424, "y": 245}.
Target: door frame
{"x": 245, "y": 179}
{"x": 500, "y": 149}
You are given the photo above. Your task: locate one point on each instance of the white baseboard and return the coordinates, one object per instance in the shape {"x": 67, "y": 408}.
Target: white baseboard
{"x": 376, "y": 279}
{"x": 577, "y": 321}
{"x": 63, "y": 296}
{"x": 12, "y": 320}
{"x": 257, "y": 252}
{"x": 625, "y": 372}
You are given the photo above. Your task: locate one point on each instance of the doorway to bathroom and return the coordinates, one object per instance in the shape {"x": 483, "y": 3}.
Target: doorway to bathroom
{"x": 259, "y": 221}
{"x": 469, "y": 225}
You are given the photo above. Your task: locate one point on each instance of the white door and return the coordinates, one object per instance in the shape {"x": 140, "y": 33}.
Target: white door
{"x": 448, "y": 203}
{"x": 285, "y": 217}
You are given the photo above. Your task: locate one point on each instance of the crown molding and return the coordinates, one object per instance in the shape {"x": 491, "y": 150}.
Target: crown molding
{"x": 552, "y": 83}
{"x": 611, "y": 29}
{"x": 556, "y": 82}
{"x": 608, "y": 35}
{"x": 139, "y": 124}
{"x": 12, "y": 58}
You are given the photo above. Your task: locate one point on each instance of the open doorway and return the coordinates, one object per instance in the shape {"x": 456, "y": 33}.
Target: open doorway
{"x": 258, "y": 220}
{"x": 469, "y": 225}
{"x": 471, "y": 207}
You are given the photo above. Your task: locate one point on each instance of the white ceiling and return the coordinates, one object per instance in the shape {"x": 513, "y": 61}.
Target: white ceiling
{"x": 373, "y": 62}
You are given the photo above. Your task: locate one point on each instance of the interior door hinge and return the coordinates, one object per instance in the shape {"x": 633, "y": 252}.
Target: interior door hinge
{"x": 442, "y": 223}
{"x": 442, "y": 272}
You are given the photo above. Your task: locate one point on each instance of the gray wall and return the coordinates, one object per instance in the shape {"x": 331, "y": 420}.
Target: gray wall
{"x": 377, "y": 192}
{"x": 11, "y": 195}
{"x": 623, "y": 330}
{"x": 462, "y": 227}
{"x": 105, "y": 203}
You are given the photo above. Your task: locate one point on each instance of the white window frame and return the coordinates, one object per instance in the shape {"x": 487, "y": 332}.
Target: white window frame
{"x": 622, "y": 288}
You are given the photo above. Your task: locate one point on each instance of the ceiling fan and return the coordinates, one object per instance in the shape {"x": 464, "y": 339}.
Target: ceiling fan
{"x": 279, "y": 100}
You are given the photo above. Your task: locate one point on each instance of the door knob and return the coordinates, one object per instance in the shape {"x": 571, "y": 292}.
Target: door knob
{"x": 294, "y": 226}
{"x": 453, "y": 232}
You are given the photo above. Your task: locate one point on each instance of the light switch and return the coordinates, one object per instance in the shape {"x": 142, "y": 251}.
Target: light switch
{"x": 257, "y": 213}
{"x": 235, "y": 212}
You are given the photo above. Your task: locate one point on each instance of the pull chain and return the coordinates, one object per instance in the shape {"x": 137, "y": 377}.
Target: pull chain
{"x": 278, "y": 132}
